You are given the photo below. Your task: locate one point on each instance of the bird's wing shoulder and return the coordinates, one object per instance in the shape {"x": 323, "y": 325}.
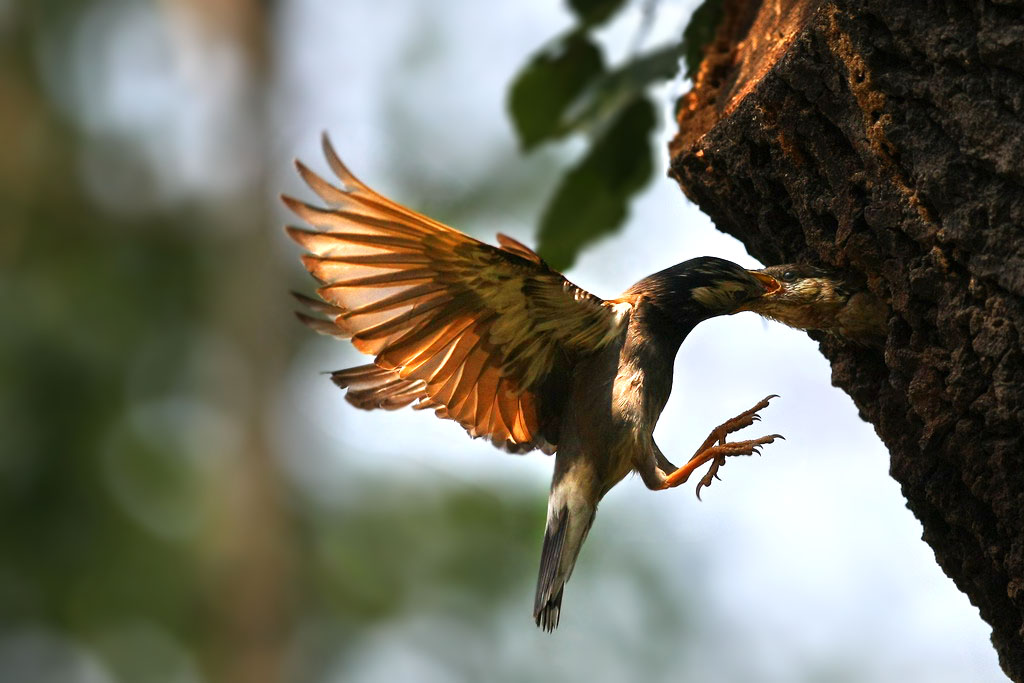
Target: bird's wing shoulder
{"x": 469, "y": 329}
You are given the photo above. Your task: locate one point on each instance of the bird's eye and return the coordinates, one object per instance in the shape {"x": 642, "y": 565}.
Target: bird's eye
{"x": 789, "y": 276}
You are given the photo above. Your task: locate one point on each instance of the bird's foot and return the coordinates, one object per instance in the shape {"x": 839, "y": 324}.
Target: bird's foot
{"x": 716, "y": 455}
{"x": 744, "y": 419}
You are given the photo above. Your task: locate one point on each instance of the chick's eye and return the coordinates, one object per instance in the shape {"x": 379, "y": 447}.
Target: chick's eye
{"x": 789, "y": 276}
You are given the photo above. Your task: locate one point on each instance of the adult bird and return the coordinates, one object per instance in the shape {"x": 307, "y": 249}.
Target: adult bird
{"x": 493, "y": 338}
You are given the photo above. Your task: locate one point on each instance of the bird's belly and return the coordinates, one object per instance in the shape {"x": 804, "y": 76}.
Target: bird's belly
{"x": 606, "y": 425}
{"x": 603, "y": 449}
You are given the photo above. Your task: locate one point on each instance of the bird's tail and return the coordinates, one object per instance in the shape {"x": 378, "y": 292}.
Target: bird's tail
{"x": 569, "y": 518}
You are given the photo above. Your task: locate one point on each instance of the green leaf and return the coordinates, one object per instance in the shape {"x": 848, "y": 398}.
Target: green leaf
{"x": 546, "y": 88}
{"x": 593, "y": 12}
{"x": 621, "y": 87}
{"x": 700, "y": 32}
{"x": 593, "y": 198}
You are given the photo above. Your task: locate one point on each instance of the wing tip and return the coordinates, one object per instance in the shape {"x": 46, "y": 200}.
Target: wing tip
{"x": 307, "y": 301}
{"x": 319, "y": 305}
{"x": 296, "y": 206}
{"x": 311, "y": 261}
{"x": 299, "y": 235}
{"x": 301, "y": 167}
{"x": 331, "y": 194}
{"x": 340, "y": 380}
{"x": 320, "y": 325}
{"x": 328, "y": 150}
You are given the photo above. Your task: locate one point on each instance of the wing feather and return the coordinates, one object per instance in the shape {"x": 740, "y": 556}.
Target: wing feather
{"x": 470, "y": 330}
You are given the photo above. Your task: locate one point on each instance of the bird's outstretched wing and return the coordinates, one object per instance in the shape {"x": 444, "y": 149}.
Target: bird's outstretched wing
{"x": 478, "y": 333}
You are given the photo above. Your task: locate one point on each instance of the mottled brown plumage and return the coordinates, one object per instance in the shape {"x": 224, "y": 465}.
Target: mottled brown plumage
{"x": 811, "y": 298}
{"x": 496, "y": 340}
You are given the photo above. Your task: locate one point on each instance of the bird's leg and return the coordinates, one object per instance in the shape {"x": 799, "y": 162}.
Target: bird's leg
{"x": 716, "y": 455}
{"x": 664, "y": 464}
{"x": 652, "y": 466}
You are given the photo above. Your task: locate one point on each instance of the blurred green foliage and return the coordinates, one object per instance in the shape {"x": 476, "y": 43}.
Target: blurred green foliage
{"x": 566, "y": 88}
{"x": 593, "y": 12}
{"x": 592, "y": 198}
{"x": 541, "y": 96}
{"x": 149, "y": 531}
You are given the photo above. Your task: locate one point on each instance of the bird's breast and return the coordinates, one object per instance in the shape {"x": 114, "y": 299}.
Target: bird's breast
{"x": 615, "y": 400}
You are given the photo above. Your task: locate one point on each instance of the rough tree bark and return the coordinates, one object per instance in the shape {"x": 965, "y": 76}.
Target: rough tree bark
{"x": 886, "y": 138}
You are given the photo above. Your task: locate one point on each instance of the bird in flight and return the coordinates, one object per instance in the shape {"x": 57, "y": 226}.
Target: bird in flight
{"x": 493, "y": 338}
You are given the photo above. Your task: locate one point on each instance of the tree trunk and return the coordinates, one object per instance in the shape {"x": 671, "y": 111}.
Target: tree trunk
{"x": 886, "y": 138}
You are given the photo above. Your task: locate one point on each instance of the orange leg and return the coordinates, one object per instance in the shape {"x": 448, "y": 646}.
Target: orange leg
{"x": 744, "y": 419}
{"x": 716, "y": 455}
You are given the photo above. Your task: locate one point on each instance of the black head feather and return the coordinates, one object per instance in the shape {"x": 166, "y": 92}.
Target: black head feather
{"x": 676, "y": 299}
{"x": 702, "y": 287}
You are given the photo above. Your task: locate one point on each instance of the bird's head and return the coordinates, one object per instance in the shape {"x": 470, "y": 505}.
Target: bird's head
{"x": 805, "y": 296}
{"x": 721, "y": 287}
{"x": 811, "y": 298}
{"x": 703, "y": 288}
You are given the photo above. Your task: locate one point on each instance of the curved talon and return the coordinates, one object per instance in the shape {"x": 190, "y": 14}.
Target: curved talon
{"x": 716, "y": 454}
{"x": 705, "y": 482}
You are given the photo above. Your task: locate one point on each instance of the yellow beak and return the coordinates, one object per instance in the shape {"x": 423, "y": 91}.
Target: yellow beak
{"x": 771, "y": 285}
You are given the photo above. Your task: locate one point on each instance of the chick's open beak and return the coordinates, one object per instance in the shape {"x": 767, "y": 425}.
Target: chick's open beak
{"x": 770, "y": 284}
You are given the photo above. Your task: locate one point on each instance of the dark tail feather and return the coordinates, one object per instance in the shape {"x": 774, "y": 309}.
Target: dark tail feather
{"x": 548, "y": 603}
{"x": 547, "y": 617}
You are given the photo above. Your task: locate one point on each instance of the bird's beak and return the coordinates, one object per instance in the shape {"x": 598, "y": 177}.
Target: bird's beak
{"x": 770, "y": 284}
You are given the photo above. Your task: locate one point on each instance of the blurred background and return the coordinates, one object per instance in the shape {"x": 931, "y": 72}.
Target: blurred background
{"x": 184, "y": 497}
